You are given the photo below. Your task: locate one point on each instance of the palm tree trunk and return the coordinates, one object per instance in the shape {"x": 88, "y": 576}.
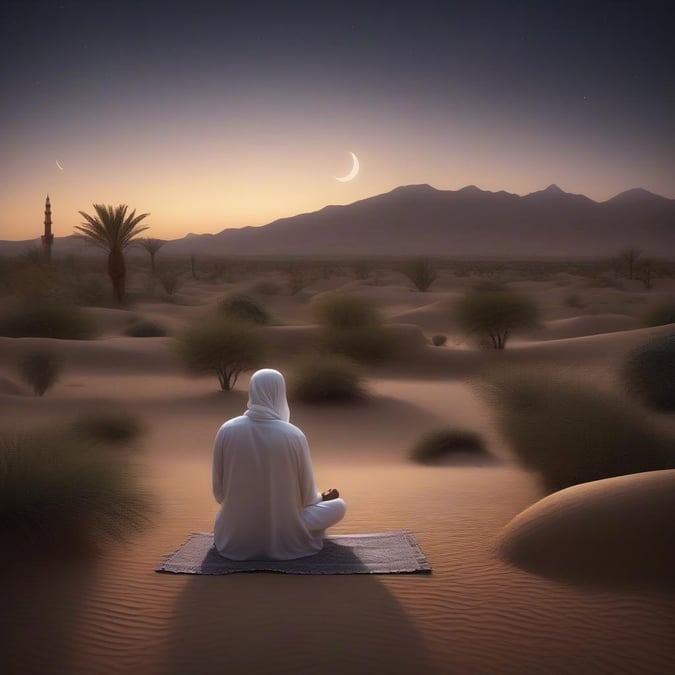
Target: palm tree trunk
{"x": 117, "y": 271}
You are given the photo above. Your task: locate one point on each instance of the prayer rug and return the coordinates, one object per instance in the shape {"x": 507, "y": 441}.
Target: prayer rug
{"x": 394, "y": 552}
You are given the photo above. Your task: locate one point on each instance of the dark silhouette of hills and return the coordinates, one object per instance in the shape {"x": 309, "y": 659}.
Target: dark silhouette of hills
{"x": 419, "y": 219}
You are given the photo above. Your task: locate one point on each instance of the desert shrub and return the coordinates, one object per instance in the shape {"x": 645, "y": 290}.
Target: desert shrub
{"x": 574, "y": 301}
{"x": 245, "y": 308}
{"x": 351, "y": 326}
{"x": 326, "y": 378}
{"x": 649, "y": 372}
{"x": 115, "y": 427}
{"x": 144, "y": 328}
{"x": 439, "y": 340}
{"x": 421, "y": 272}
{"x": 495, "y": 315}
{"x": 342, "y": 311}
{"x": 45, "y": 318}
{"x": 660, "y": 315}
{"x": 55, "y": 489}
{"x": 266, "y": 287}
{"x": 569, "y": 432}
{"x": 89, "y": 291}
{"x": 436, "y": 445}
{"x": 369, "y": 344}
{"x": 40, "y": 369}
{"x": 221, "y": 346}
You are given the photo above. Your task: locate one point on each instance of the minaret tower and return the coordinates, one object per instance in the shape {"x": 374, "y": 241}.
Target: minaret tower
{"x": 48, "y": 237}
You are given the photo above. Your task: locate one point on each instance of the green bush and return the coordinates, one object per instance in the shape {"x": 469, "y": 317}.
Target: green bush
{"x": 245, "y": 308}
{"x": 495, "y": 315}
{"x": 439, "y": 340}
{"x": 570, "y": 432}
{"x": 114, "y": 427}
{"x": 326, "y": 379}
{"x": 45, "y": 318}
{"x": 342, "y": 312}
{"x": 649, "y": 372}
{"x": 442, "y": 443}
{"x": 661, "y": 315}
{"x": 40, "y": 369}
{"x": 56, "y": 490}
{"x": 144, "y": 328}
{"x": 221, "y": 346}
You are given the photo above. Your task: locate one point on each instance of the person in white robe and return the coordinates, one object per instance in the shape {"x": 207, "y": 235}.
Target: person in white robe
{"x": 263, "y": 479}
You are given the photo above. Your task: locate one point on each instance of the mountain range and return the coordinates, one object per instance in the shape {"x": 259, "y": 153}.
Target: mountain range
{"x": 421, "y": 220}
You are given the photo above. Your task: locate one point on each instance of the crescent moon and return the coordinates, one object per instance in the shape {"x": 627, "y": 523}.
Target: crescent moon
{"x": 352, "y": 174}
{"x": 58, "y": 165}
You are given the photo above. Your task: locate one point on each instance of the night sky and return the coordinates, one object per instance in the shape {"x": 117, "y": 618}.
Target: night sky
{"x": 216, "y": 114}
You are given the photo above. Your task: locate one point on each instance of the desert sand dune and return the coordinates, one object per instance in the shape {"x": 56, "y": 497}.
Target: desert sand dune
{"x": 614, "y": 532}
{"x": 475, "y": 614}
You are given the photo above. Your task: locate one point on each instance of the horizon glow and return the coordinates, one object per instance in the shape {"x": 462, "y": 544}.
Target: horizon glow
{"x": 207, "y": 131}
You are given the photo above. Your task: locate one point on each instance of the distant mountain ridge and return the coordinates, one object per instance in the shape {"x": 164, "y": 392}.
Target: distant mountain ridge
{"x": 421, "y": 220}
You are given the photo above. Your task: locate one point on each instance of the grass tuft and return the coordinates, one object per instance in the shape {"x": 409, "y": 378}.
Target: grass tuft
{"x": 56, "y": 490}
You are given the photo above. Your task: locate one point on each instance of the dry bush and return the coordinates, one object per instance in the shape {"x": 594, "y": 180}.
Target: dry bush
{"x": 326, "y": 379}
{"x": 422, "y": 272}
{"x": 569, "y": 432}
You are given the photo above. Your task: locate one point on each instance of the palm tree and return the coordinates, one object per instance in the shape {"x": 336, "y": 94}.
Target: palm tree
{"x": 151, "y": 246}
{"x": 113, "y": 231}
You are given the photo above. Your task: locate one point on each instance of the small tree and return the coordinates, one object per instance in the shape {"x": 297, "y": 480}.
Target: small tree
{"x": 628, "y": 257}
{"x": 151, "y": 246}
{"x": 40, "y": 369}
{"x": 422, "y": 273}
{"x": 647, "y": 269}
{"x": 495, "y": 314}
{"x": 170, "y": 280}
{"x": 221, "y": 346}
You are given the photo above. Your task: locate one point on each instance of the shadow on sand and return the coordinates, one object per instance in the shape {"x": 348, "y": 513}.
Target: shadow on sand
{"x": 42, "y": 605}
{"x": 260, "y": 622}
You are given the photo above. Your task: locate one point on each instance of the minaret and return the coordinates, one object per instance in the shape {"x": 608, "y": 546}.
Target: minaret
{"x": 48, "y": 237}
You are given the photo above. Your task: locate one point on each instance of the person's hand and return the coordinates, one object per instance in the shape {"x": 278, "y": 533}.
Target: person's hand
{"x": 329, "y": 494}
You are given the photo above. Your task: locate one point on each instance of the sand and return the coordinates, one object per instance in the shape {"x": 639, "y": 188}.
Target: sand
{"x": 488, "y": 606}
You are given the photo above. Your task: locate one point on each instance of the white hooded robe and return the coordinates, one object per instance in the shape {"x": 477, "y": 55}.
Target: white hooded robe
{"x": 263, "y": 479}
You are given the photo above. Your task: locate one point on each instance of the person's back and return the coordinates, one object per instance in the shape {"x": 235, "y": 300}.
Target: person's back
{"x": 263, "y": 479}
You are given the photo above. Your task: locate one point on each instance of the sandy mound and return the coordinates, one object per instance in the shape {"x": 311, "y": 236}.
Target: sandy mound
{"x": 615, "y": 532}
{"x": 579, "y": 326}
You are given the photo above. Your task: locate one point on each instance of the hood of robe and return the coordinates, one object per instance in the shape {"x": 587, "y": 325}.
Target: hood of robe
{"x": 267, "y": 396}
